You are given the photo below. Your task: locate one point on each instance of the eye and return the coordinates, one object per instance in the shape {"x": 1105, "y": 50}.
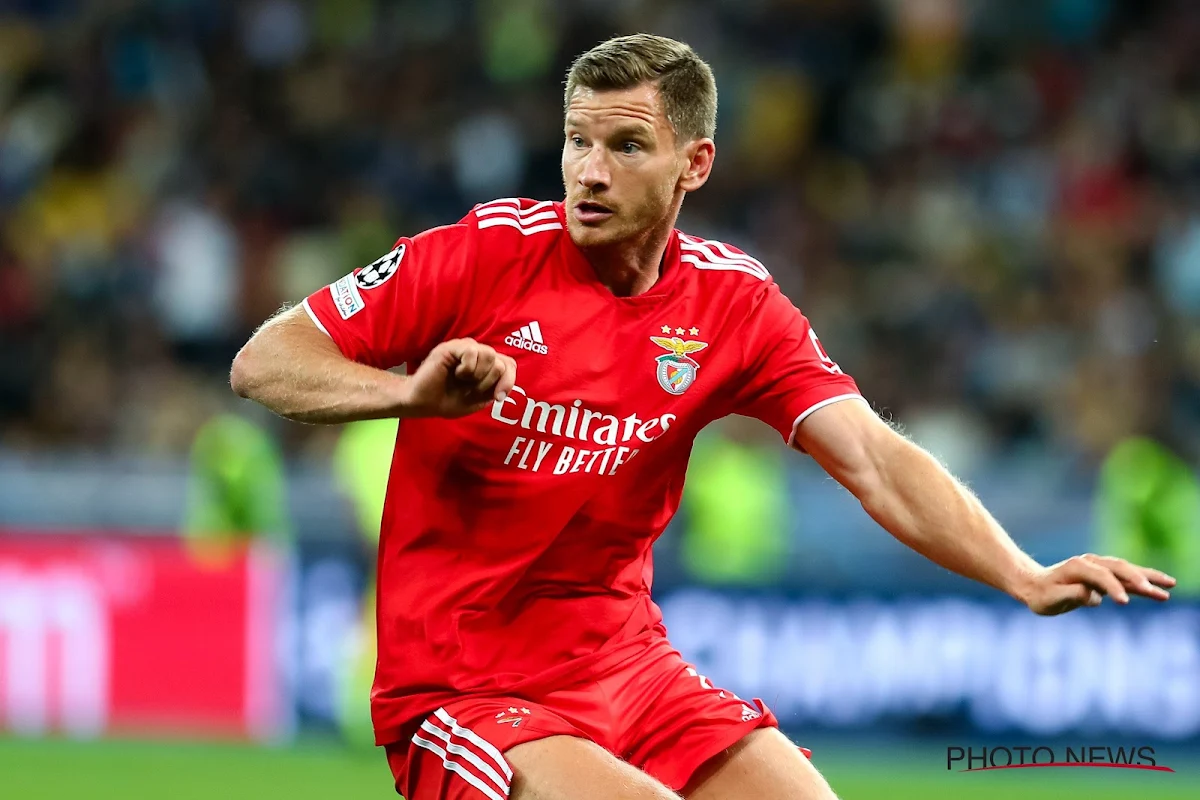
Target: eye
{"x": 629, "y": 148}
{"x": 577, "y": 141}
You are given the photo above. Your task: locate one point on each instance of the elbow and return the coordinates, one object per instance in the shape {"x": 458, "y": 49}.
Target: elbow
{"x": 241, "y": 373}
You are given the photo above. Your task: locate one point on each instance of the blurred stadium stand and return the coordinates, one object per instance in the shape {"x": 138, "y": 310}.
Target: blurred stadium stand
{"x": 990, "y": 210}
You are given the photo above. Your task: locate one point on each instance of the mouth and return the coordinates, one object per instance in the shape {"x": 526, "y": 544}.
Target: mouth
{"x": 591, "y": 213}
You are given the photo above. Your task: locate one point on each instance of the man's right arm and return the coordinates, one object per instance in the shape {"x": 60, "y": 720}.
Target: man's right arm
{"x": 328, "y": 361}
{"x": 297, "y": 371}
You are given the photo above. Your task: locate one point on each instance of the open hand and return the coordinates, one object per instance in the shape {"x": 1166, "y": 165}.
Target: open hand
{"x": 457, "y": 378}
{"x": 1083, "y": 580}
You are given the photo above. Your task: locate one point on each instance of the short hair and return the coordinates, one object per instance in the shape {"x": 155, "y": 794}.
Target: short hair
{"x": 684, "y": 81}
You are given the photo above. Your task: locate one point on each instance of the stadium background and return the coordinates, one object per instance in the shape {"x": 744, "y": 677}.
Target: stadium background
{"x": 990, "y": 211}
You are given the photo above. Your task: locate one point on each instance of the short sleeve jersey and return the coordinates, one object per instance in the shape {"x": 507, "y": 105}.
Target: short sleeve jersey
{"x": 516, "y": 542}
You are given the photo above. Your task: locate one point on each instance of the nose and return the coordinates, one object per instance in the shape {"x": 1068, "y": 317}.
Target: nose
{"x": 595, "y": 175}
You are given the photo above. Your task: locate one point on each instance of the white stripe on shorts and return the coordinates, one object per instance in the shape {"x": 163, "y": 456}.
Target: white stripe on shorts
{"x": 458, "y": 769}
{"x": 466, "y": 752}
{"x": 470, "y": 736}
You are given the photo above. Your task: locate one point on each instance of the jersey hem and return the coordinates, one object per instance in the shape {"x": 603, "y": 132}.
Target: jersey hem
{"x": 563, "y": 676}
{"x": 815, "y": 406}
{"x": 316, "y": 321}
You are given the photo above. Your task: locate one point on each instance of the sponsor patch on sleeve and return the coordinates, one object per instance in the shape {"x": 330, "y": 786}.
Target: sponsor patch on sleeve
{"x": 380, "y": 269}
{"x": 346, "y": 296}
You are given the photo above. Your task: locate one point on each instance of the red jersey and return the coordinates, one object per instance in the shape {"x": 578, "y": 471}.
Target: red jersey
{"x": 516, "y": 542}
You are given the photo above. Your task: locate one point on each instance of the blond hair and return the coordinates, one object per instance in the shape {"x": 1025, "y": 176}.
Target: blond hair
{"x": 684, "y": 81}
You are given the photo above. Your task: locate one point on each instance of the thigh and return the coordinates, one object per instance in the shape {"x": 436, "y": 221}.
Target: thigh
{"x": 570, "y": 768}
{"x": 674, "y": 719}
{"x": 762, "y": 764}
{"x": 458, "y": 751}
{"x": 507, "y": 747}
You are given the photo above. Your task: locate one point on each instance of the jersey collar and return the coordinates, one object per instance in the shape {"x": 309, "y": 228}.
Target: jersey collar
{"x": 582, "y": 270}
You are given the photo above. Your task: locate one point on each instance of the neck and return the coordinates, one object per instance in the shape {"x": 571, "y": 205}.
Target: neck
{"x": 632, "y": 267}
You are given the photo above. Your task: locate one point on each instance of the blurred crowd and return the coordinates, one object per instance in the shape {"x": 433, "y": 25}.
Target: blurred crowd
{"x": 989, "y": 209}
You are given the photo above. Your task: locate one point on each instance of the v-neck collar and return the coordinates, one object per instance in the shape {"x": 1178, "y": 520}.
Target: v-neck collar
{"x": 585, "y": 273}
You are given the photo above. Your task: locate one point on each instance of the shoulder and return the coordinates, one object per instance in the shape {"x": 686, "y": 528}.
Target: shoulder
{"x": 722, "y": 264}
{"x": 513, "y": 231}
{"x": 516, "y": 218}
{"x": 738, "y": 279}
{"x": 491, "y": 235}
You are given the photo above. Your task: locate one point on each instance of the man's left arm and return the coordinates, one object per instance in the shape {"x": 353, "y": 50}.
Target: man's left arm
{"x": 914, "y": 498}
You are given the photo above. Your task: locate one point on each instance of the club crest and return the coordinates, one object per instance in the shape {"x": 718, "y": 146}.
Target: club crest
{"x": 676, "y": 370}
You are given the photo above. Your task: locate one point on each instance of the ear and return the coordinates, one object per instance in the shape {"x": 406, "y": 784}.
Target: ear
{"x": 700, "y": 154}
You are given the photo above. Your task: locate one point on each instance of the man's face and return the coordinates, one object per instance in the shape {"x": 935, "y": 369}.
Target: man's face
{"x": 621, "y": 166}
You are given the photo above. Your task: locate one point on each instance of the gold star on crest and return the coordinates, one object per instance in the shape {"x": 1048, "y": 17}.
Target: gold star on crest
{"x": 694, "y": 331}
{"x": 665, "y": 328}
{"x": 679, "y": 331}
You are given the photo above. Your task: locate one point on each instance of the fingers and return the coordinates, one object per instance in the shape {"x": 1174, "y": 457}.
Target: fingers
{"x": 475, "y": 360}
{"x": 491, "y": 383}
{"x": 484, "y": 387}
{"x": 466, "y": 364}
{"x": 1085, "y": 570}
{"x": 488, "y": 375}
{"x": 1084, "y": 580}
{"x": 1157, "y": 578}
{"x": 1139, "y": 580}
{"x": 507, "y": 379}
{"x": 498, "y": 382}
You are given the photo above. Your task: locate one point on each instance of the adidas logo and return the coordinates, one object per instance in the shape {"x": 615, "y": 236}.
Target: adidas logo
{"x": 529, "y": 337}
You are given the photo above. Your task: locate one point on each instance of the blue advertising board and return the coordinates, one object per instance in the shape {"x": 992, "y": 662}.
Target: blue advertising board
{"x": 943, "y": 664}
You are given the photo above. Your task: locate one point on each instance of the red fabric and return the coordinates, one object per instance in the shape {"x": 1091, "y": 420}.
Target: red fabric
{"x": 516, "y": 542}
{"x": 651, "y": 710}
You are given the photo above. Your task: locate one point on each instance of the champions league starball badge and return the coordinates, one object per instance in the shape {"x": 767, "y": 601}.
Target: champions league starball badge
{"x": 676, "y": 371}
{"x": 379, "y": 270}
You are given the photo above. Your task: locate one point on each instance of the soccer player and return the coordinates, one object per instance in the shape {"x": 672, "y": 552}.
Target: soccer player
{"x": 561, "y": 358}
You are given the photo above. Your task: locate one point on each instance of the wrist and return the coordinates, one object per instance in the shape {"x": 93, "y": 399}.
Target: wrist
{"x": 1020, "y": 584}
{"x": 400, "y": 402}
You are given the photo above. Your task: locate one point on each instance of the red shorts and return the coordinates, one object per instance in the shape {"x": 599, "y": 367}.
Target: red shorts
{"x": 652, "y": 710}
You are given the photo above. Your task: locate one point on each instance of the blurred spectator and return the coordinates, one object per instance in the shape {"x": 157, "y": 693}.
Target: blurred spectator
{"x": 236, "y": 488}
{"x": 362, "y": 464}
{"x": 735, "y": 505}
{"x": 197, "y": 284}
{"x": 1148, "y": 510}
{"x": 988, "y": 209}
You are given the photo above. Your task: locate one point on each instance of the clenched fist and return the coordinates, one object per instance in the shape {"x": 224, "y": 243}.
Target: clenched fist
{"x": 457, "y": 378}
{"x": 1083, "y": 580}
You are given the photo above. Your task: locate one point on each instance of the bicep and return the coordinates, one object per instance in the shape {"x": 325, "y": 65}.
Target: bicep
{"x": 296, "y": 329}
{"x": 288, "y": 334}
{"x": 851, "y": 443}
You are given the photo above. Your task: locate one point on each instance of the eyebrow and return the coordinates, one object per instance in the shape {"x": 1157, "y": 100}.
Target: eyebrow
{"x": 633, "y": 129}
{"x": 640, "y": 129}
